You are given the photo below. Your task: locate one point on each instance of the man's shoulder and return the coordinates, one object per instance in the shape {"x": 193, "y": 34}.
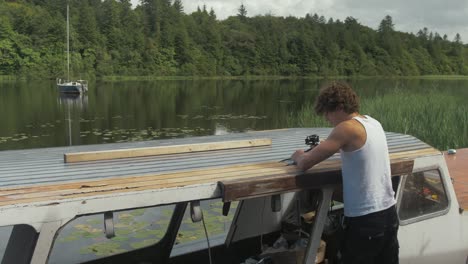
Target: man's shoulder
{"x": 349, "y": 125}
{"x": 353, "y": 133}
{"x": 350, "y": 128}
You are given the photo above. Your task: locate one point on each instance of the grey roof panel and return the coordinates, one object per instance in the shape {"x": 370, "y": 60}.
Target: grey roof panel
{"x": 39, "y": 166}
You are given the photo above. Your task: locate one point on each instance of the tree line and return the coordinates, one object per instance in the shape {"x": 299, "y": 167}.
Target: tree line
{"x": 157, "y": 38}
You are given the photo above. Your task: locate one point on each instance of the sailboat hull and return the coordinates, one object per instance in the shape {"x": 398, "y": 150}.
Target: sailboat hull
{"x": 72, "y": 87}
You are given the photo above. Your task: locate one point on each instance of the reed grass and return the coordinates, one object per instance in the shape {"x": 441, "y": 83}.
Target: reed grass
{"x": 8, "y": 78}
{"x": 442, "y": 77}
{"x": 438, "y": 119}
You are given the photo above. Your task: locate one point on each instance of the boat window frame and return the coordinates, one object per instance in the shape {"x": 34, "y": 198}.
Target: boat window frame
{"x": 425, "y": 216}
{"x": 215, "y": 240}
{"x": 163, "y": 242}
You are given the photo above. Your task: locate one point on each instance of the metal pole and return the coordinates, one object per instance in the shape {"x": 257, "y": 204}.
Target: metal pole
{"x": 68, "y": 45}
{"x": 45, "y": 241}
{"x": 320, "y": 218}
{"x": 69, "y": 124}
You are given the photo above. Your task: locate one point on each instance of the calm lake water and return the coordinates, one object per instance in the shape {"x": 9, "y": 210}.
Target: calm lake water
{"x": 35, "y": 115}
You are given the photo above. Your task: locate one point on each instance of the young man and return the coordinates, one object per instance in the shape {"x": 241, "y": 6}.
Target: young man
{"x": 371, "y": 222}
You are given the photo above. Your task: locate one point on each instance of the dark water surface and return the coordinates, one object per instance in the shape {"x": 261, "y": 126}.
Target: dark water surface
{"x": 34, "y": 114}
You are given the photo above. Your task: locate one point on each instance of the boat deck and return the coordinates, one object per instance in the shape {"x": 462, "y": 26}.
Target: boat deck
{"x": 36, "y": 185}
{"x": 458, "y": 167}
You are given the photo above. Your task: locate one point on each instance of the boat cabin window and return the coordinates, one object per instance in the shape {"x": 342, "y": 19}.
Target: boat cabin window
{"x": 83, "y": 239}
{"x": 191, "y": 236}
{"x": 5, "y": 232}
{"x": 423, "y": 195}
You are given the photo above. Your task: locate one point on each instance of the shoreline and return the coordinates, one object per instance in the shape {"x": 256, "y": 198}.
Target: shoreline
{"x": 111, "y": 78}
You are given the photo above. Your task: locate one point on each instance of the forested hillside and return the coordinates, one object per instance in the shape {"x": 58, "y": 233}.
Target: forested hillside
{"x": 158, "y": 39}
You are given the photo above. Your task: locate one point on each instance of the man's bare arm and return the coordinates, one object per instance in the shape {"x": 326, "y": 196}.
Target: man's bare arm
{"x": 335, "y": 141}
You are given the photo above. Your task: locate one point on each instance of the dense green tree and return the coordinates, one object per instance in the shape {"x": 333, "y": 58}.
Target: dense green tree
{"x": 178, "y": 6}
{"x": 6, "y": 30}
{"x": 242, "y": 11}
{"x": 110, "y": 37}
{"x": 87, "y": 29}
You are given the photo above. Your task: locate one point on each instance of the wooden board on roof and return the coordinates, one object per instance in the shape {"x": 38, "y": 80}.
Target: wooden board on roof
{"x": 164, "y": 150}
{"x": 236, "y": 181}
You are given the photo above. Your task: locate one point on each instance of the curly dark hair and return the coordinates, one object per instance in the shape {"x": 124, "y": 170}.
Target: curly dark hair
{"x": 334, "y": 96}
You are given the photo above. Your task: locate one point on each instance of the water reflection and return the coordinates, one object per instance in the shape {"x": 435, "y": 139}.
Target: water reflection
{"x": 133, "y": 111}
{"x": 72, "y": 102}
{"x": 76, "y": 101}
{"x": 221, "y": 130}
{"x": 35, "y": 117}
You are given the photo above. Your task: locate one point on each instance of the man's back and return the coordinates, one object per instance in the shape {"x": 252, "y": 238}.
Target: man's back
{"x": 367, "y": 184}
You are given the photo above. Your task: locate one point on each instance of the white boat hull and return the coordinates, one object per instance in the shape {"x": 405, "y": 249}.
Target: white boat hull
{"x": 73, "y": 87}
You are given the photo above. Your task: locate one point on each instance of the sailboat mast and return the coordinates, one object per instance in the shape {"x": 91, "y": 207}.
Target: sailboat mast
{"x": 68, "y": 45}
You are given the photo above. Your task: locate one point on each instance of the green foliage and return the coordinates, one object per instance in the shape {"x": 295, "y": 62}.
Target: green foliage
{"x": 157, "y": 38}
{"x": 414, "y": 115}
{"x": 242, "y": 11}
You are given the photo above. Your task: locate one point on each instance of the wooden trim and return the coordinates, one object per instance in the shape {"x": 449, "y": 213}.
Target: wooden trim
{"x": 139, "y": 183}
{"x": 240, "y": 189}
{"x": 163, "y": 150}
{"x": 401, "y": 167}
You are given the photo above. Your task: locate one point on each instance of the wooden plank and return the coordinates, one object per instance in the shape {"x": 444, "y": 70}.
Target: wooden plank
{"x": 28, "y": 167}
{"x": 218, "y": 173}
{"x": 182, "y": 178}
{"x": 245, "y": 173}
{"x": 118, "y": 190}
{"x": 162, "y": 150}
{"x": 401, "y": 167}
{"x": 62, "y": 191}
{"x": 234, "y": 190}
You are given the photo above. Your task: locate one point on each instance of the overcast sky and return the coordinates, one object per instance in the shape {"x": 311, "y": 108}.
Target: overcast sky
{"x": 441, "y": 16}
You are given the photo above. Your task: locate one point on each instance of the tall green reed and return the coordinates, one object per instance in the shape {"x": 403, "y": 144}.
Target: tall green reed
{"x": 440, "y": 120}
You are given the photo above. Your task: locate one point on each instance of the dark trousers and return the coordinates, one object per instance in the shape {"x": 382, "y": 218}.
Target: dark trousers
{"x": 371, "y": 238}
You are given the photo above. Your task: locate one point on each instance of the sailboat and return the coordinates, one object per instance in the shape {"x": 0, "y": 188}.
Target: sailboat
{"x": 68, "y": 86}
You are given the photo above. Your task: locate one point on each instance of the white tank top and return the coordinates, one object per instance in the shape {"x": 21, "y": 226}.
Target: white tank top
{"x": 367, "y": 184}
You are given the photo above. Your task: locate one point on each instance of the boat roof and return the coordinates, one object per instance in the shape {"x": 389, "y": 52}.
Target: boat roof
{"x": 41, "y": 177}
{"x": 46, "y": 165}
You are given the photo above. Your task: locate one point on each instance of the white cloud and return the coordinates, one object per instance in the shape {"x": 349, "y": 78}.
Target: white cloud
{"x": 445, "y": 17}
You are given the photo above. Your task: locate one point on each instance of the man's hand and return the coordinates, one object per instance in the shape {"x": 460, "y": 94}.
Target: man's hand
{"x": 297, "y": 155}
{"x": 306, "y": 160}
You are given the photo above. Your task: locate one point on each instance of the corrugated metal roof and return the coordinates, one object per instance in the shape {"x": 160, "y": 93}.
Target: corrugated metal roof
{"x": 45, "y": 166}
